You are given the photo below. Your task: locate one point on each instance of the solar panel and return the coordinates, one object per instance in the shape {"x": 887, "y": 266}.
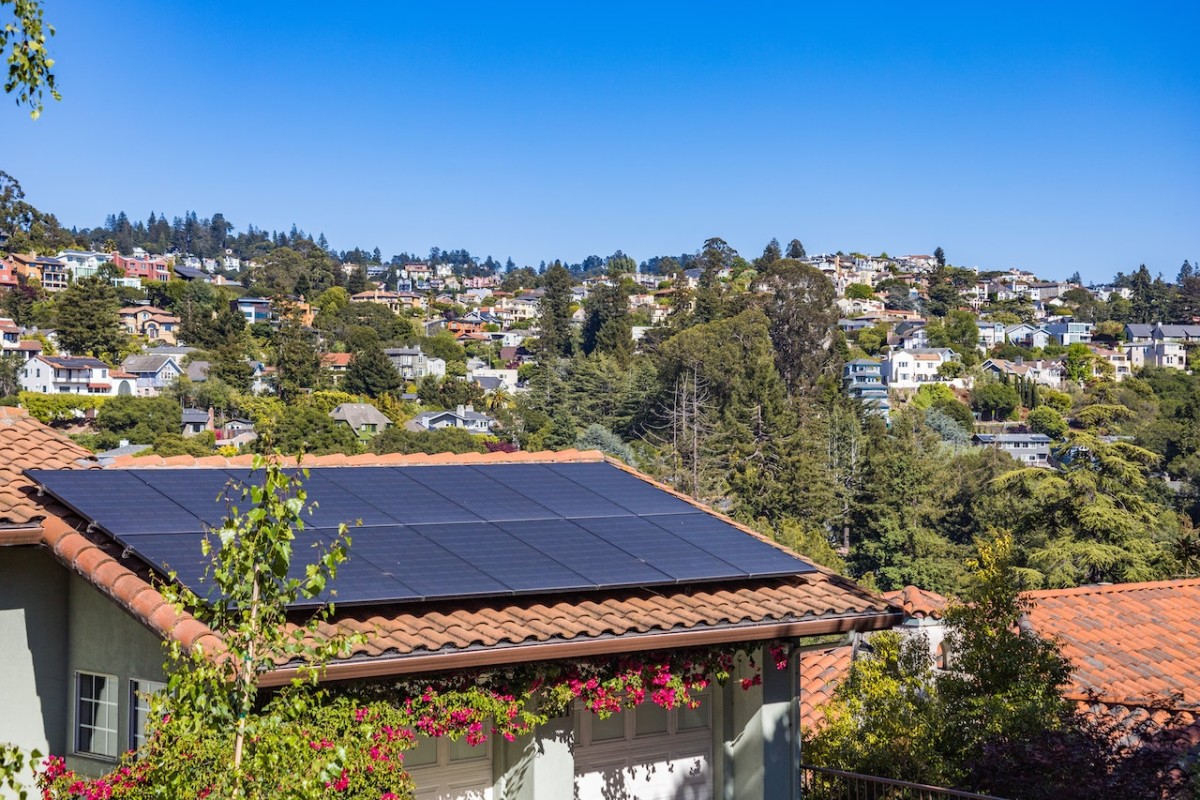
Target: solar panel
{"x": 562, "y": 496}
{"x": 743, "y": 552}
{"x": 628, "y": 491}
{"x": 441, "y": 531}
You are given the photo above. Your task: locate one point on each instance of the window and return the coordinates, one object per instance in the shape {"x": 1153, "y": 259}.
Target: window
{"x": 96, "y": 714}
{"x": 139, "y": 709}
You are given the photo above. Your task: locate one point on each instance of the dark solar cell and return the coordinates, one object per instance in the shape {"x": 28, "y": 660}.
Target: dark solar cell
{"x": 394, "y": 493}
{"x": 205, "y": 493}
{"x": 503, "y": 556}
{"x": 668, "y": 553}
{"x": 417, "y": 562}
{"x": 746, "y": 554}
{"x": 548, "y": 488}
{"x": 600, "y": 563}
{"x": 628, "y": 491}
{"x": 118, "y": 502}
{"x": 329, "y": 504}
{"x": 469, "y": 489}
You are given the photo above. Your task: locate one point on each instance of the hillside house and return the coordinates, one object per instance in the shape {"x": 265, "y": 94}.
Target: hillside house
{"x": 1031, "y": 449}
{"x": 464, "y": 417}
{"x": 78, "y": 605}
{"x": 412, "y": 364}
{"x": 1069, "y": 333}
{"x": 908, "y": 369}
{"x": 152, "y": 373}
{"x": 862, "y": 379}
{"x": 75, "y": 375}
{"x": 363, "y": 418}
{"x": 153, "y": 323}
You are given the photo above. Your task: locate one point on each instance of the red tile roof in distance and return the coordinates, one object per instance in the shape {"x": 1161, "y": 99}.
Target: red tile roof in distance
{"x": 456, "y": 634}
{"x": 1131, "y": 644}
{"x": 918, "y": 603}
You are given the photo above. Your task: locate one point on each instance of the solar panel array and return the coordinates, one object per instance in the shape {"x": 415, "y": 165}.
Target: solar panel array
{"x": 437, "y": 532}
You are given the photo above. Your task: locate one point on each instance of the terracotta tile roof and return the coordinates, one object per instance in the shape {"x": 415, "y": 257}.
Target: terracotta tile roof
{"x": 496, "y": 630}
{"x": 918, "y": 603}
{"x": 1132, "y": 644}
{"x": 821, "y": 670}
{"x": 26, "y": 443}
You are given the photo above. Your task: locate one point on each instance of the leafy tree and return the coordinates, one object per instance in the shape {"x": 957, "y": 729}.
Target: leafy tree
{"x": 995, "y": 399}
{"x": 947, "y": 427}
{"x": 88, "y": 321}
{"x": 447, "y": 440}
{"x": 306, "y": 429}
{"x": 449, "y": 392}
{"x": 1045, "y": 419}
{"x": 23, "y": 44}
{"x": 371, "y": 373}
{"x": 1092, "y": 521}
{"x": 1059, "y": 401}
{"x": 859, "y": 291}
{"x": 141, "y": 420}
{"x": 597, "y": 437}
{"x": 929, "y": 393}
{"x": 10, "y": 375}
{"x": 1079, "y": 362}
{"x": 795, "y": 250}
{"x": 801, "y": 310}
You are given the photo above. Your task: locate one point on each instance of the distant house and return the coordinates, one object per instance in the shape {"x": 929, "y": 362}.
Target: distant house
{"x": 1165, "y": 354}
{"x": 153, "y": 323}
{"x": 253, "y": 309}
{"x": 1117, "y": 358}
{"x": 195, "y": 421}
{"x": 1047, "y": 372}
{"x": 75, "y": 375}
{"x": 412, "y": 364}
{"x": 144, "y": 267}
{"x": 1027, "y": 335}
{"x": 1032, "y": 449}
{"x": 1069, "y": 333}
{"x": 991, "y": 334}
{"x": 1179, "y": 334}
{"x": 336, "y": 364}
{"x": 363, "y": 418}
{"x": 153, "y": 373}
{"x": 465, "y": 417}
{"x": 862, "y": 379}
{"x": 908, "y": 369}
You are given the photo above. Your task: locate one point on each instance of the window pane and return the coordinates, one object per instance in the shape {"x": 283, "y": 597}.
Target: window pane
{"x": 605, "y": 729}
{"x": 649, "y": 719}
{"x": 96, "y": 715}
{"x": 139, "y": 714}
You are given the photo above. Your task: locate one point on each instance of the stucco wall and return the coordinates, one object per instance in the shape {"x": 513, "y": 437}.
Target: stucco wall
{"x": 102, "y": 638}
{"x": 33, "y": 649}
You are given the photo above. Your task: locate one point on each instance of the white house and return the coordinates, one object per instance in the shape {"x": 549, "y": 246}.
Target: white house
{"x": 908, "y": 369}
{"x": 75, "y": 375}
{"x": 1027, "y": 335}
{"x": 412, "y": 364}
{"x": 1166, "y": 354}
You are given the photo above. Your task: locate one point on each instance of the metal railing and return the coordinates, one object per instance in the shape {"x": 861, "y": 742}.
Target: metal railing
{"x": 821, "y": 783}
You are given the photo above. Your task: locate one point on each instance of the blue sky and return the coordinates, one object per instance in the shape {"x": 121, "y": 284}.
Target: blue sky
{"x": 1049, "y": 136}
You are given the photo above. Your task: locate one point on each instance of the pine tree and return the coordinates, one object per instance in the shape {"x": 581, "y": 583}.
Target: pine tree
{"x": 295, "y": 353}
{"x": 371, "y": 373}
{"x": 796, "y": 250}
{"x": 555, "y": 339}
{"x": 771, "y": 253}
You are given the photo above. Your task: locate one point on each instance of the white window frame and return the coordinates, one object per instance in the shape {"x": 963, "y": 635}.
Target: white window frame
{"x": 139, "y": 708}
{"x": 109, "y": 709}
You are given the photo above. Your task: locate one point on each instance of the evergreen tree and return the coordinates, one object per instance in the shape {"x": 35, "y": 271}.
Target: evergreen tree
{"x": 939, "y": 255}
{"x": 607, "y": 328}
{"x": 802, "y": 313}
{"x": 771, "y": 253}
{"x": 88, "y": 321}
{"x": 356, "y": 281}
{"x": 295, "y": 356}
{"x": 796, "y": 250}
{"x": 555, "y": 339}
{"x": 371, "y": 373}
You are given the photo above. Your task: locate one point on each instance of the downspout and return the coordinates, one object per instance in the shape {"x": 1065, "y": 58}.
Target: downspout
{"x": 794, "y": 687}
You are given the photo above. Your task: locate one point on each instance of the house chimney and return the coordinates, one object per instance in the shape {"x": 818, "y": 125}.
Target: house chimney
{"x": 462, "y": 410}
{"x": 211, "y": 419}
{"x": 1020, "y": 360}
{"x": 123, "y": 443}
{"x": 470, "y": 408}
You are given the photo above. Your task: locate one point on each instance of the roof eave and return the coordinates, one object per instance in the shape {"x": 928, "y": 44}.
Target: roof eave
{"x": 613, "y": 645}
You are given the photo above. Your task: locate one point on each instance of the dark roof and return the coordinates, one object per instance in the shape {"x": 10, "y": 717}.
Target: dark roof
{"x": 194, "y": 415}
{"x": 1011, "y": 438}
{"x": 75, "y": 362}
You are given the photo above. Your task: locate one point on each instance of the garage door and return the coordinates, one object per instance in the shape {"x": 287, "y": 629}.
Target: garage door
{"x": 446, "y": 770}
{"x": 647, "y": 753}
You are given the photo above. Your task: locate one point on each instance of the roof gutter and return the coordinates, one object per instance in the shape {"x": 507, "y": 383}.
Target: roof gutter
{"x": 549, "y": 651}
{"x": 21, "y": 534}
